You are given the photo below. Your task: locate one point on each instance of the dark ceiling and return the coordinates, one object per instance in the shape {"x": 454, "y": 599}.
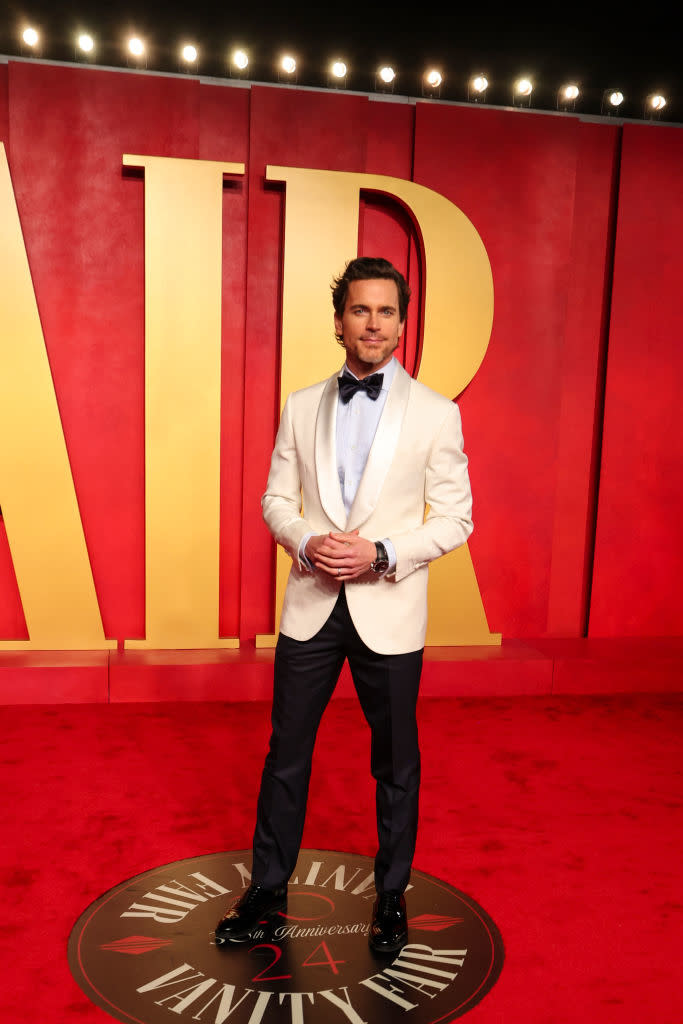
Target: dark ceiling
{"x": 636, "y": 53}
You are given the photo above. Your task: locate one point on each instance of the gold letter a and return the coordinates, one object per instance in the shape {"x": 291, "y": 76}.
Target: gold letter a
{"x": 37, "y": 493}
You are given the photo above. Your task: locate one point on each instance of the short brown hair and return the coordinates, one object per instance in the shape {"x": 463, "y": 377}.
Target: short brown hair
{"x": 368, "y": 268}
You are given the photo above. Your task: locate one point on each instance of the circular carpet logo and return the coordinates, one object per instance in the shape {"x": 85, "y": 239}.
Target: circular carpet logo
{"x": 145, "y": 952}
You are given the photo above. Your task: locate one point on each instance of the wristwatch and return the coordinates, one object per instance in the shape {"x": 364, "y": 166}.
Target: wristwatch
{"x": 381, "y": 563}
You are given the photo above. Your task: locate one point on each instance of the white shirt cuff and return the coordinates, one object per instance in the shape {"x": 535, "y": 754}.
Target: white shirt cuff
{"x": 303, "y": 561}
{"x": 391, "y": 555}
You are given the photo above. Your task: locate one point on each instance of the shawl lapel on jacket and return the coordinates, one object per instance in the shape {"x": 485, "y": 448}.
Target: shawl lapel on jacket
{"x": 379, "y": 460}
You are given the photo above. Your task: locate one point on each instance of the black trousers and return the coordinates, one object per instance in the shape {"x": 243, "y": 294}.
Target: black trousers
{"x": 306, "y": 673}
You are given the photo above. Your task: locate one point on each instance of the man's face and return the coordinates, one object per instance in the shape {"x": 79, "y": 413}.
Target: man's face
{"x": 370, "y": 325}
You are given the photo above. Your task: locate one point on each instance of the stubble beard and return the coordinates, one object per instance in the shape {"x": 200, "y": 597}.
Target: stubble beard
{"x": 371, "y": 359}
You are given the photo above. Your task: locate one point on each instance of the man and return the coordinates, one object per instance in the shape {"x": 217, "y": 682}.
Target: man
{"x": 356, "y": 461}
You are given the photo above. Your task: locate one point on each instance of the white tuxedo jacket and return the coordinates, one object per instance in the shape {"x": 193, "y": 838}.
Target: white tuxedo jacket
{"x": 416, "y": 460}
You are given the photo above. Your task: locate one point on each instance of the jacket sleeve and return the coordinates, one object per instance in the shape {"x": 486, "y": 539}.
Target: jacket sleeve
{"x": 281, "y": 504}
{"x": 448, "y": 522}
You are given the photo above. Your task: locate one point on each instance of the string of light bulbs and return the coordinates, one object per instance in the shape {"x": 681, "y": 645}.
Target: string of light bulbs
{"x": 386, "y": 77}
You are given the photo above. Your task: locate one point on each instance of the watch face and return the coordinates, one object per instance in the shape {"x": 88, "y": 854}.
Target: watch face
{"x": 381, "y": 563}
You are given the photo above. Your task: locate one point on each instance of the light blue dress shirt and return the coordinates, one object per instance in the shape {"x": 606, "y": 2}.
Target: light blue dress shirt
{"x": 357, "y": 422}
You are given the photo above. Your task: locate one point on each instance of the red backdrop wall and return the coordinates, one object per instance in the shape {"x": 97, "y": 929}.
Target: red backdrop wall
{"x": 639, "y": 553}
{"x": 572, "y": 423}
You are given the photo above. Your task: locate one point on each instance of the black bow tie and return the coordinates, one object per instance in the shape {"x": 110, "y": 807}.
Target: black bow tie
{"x": 349, "y": 385}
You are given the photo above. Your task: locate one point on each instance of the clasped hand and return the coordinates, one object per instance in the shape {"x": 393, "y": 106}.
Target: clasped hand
{"x": 343, "y": 555}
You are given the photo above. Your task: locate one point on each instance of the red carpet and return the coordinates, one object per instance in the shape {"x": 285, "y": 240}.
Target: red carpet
{"x": 561, "y": 816}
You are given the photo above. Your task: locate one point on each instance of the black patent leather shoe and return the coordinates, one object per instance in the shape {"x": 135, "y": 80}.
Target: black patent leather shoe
{"x": 389, "y": 926}
{"x": 253, "y": 906}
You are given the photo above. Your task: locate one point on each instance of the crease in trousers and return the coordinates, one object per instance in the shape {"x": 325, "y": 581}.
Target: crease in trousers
{"x": 305, "y": 676}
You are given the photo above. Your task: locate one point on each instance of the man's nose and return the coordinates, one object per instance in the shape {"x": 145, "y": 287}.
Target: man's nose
{"x": 373, "y": 321}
